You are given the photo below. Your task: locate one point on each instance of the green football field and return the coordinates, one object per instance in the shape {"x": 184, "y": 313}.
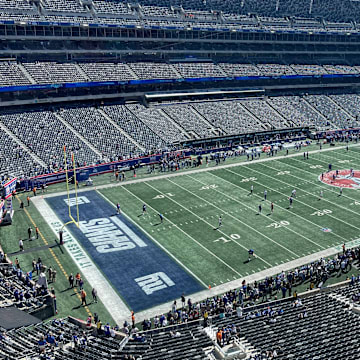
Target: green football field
{"x": 191, "y": 204}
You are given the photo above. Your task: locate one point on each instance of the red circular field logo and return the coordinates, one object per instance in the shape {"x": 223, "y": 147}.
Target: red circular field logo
{"x": 342, "y": 178}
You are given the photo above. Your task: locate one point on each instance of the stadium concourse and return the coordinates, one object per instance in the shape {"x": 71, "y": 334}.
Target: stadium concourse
{"x": 186, "y": 179}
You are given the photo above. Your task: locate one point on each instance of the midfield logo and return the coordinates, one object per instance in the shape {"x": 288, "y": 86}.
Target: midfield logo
{"x": 81, "y": 200}
{"x": 154, "y": 282}
{"x": 344, "y": 179}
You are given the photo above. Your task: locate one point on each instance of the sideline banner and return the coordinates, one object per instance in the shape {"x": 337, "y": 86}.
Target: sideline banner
{"x": 93, "y": 170}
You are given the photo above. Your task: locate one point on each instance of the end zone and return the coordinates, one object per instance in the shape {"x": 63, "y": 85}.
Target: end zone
{"x": 142, "y": 273}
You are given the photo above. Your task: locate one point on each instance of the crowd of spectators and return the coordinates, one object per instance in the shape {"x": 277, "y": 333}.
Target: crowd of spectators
{"x": 286, "y": 284}
{"x": 17, "y": 288}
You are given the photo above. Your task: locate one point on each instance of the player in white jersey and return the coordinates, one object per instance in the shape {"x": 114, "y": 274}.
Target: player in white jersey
{"x": 251, "y": 189}
{"x": 265, "y": 194}
{"x": 321, "y": 194}
{"x": 293, "y": 193}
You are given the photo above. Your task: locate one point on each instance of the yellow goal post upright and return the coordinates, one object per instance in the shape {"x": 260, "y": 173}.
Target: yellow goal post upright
{"x": 72, "y": 220}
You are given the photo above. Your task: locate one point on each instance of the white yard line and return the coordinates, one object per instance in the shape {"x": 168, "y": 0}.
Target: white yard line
{"x": 203, "y": 220}
{"x": 301, "y": 202}
{"x": 108, "y": 296}
{"x": 250, "y": 208}
{"x": 186, "y": 234}
{"x": 236, "y": 219}
{"x": 293, "y": 213}
{"x": 156, "y": 242}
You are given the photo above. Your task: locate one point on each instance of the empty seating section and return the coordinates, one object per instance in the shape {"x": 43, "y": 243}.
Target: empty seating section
{"x": 157, "y": 121}
{"x": 111, "y": 7}
{"x": 334, "y": 10}
{"x": 196, "y": 70}
{"x": 103, "y": 135}
{"x": 46, "y": 136}
{"x": 52, "y": 72}
{"x": 157, "y": 11}
{"x": 107, "y": 71}
{"x": 309, "y": 69}
{"x": 13, "y": 5}
{"x": 265, "y": 113}
{"x": 256, "y": 6}
{"x": 202, "y": 13}
{"x": 135, "y": 127}
{"x": 14, "y": 160}
{"x": 240, "y": 69}
{"x": 351, "y": 293}
{"x": 187, "y": 118}
{"x": 11, "y": 75}
{"x": 147, "y": 70}
{"x": 275, "y": 69}
{"x": 229, "y": 116}
{"x": 350, "y": 103}
{"x": 331, "y": 111}
{"x": 297, "y": 337}
{"x": 156, "y": 128}
{"x": 341, "y": 69}
{"x": 295, "y": 109}
{"x": 68, "y": 6}
{"x": 299, "y": 8}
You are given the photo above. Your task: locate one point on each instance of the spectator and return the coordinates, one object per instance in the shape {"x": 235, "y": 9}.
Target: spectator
{"x": 71, "y": 280}
{"x": 83, "y": 297}
{"x": 94, "y": 295}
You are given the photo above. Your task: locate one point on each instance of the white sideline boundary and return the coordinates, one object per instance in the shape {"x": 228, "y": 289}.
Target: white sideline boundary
{"x": 123, "y": 313}
{"x": 221, "y": 289}
{"x": 108, "y": 296}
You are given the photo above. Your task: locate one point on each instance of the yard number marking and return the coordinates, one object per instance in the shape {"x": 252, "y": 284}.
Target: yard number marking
{"x": 249, "y": 179}
{"x": 208, "y": 187}
{"x": 321, "y": 212}
{"x": 280, "y": 224}
{"x": 162, "y": 196}
{"x": 224, "y": 240}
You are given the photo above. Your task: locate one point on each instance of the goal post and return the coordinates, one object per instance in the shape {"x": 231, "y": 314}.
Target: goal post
{"x": 71, "y": 201}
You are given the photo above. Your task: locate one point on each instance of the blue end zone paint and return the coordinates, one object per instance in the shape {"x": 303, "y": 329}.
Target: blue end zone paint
{"x": 142, "y": 273}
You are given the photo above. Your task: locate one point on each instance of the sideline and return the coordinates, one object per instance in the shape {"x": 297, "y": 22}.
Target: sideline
{"x": 235, "y": 284}
{"x": 53, "y": 254}
{"x": 196, "y": 171}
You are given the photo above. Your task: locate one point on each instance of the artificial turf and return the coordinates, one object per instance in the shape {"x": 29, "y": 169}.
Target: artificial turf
{"x": 192, "y": 203}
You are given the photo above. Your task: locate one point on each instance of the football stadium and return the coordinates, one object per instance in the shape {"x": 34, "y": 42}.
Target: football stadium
{"x": 180, "y": 179}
